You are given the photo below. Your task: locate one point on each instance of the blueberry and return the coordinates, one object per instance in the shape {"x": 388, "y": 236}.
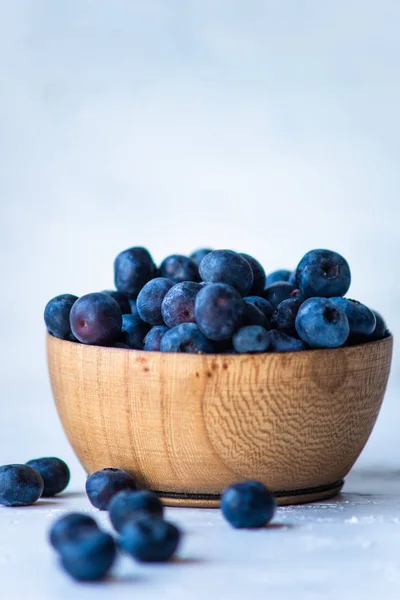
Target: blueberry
{"x": 323, "y": 273}
{"x": 219, "y": 310}
{"x": 178, "y": 304}
{"x": 150, "y": 539}
{"x": 279, "y": 275}
{"x": 198, "y": 255}
{"x": 69, "y": 527}
{"x": 121, "y": 299}
{"x": 133, "y": 268}
{"x": 278, "y": 292}
{"x": 251, "y": 338}
{"x": 96, "y": 319}
{"x": 225, "y": 266}
{"x": 134, "y": 330}
{"x": 20, "y": 485}
{"x": 129, "y": 506}
{"x": 186, "y": 337}
{"x": 292, "y": 278}
{"x": 258, "y": 275}
{"x": 179, "y": 268}
{"x": 152, "y": 340}
{"x": 380, "y": 330}
{"x": 150, "y": 299}
{"x": 254, "y": 315}
{"x": 55, "y": 474}
{"x": 262, "y": 304}
{"x": 285, "y": 314}
{"x": 248, "y": 504}
{"x": 321, "y": 323}
{"x": 56, "y": 315}
{"x": 90, "y": 556}
{"x": 362, "y": 320}
{"x": 280, "y": 341}
{"x": 103, "y": 485}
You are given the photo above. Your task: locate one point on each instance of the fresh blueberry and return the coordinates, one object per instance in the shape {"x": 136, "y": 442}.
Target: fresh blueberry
{"x": 248, "y": 504}
{"x": 279, "y": 275}
{"x": 20, "y": 485}
{"x": 90, "y": 556}
{"x": 133, "y": 268}
{"x": 292, "y": 278}
{"x": 56, "y": 315}
{"x": 178, "y": 304}
{"x": 219, "y": 310}
{"x": 121, "y": 299}
{"x": 280, "y": 341}
{"x": 323, "y": 273}
{"x": 55, "y": 474}
{"x": 186, "y": 337}
{"x": 362, "y": 320}
{"x": 150, "y": 539}
{"x": 103, "y": 485}
{"x": 152, "y": 340}
{"x": 285, "y": 314}
{"x": 179, "y": 268}
{"x": 278, "y": 292}
{"x": 258, "y": 275}
{"x": 254, "y": 315}
{"x": 150, "y": 299}
{"x": 134, "y": 330}
{"x": 96, "y": 319}
{"x": 380, "y": 330}
{"x": 225, "y": 266}
{"x": 262, "y": 304}
{"x": 69, "y": 527}
{"x": 198, "y": 255}
{"x": 321, "y": 323}
{"x": 129, "y": 506}
{"x": 251, "y": 338}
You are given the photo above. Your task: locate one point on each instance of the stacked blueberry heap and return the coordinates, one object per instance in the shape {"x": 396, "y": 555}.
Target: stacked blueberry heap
{"x": 218, "y": 301}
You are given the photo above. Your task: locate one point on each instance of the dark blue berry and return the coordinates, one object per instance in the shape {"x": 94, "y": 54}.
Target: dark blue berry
{"x": 152, "y": 340}
{"x": 103, "y": 485}
{"x": 121, "y": 299}
{"x": 133, "y": 268}
{"x": 262, "y": 304}
{"x": 20, "y": 485}
{"x": 279, "y": 275}
{"x": 198, "y": 255}
{"x": 179, "y": 268}
{"x": 219, "y": 310}
{"x": 129, "y": 506}
{"x": 285, "y": 314}
{"x": 280, "y": 341}
{"x": 258, "y": 275}
{"x": 178, "y": 304}
{"x": 380, "y": 330}
{"x": 321, "y": 323}
{"x": 323, "y": 273}
{"x": 55, "y": 474}
{"x": 96, "y": 319}
{"x": 69, "y": 527}
{"x": 90, "y": 556}
{"x": 186, "y": 337}
{"x": 278, "y": 292}
{"x": 225, "y": 266}
{"x": 251, "y": 338}
{"x": 254, "y": 315}
{"x": 134, "y": 330}
{"x": 150, "y": 299}
{"x": 150, "y": 540}
{"x": 248, "y": 504}
{"x": 56, "y": 315}
{"x": 362, "y": 320}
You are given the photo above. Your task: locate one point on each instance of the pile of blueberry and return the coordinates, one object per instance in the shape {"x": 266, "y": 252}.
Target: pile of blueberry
{"x": 218, "y": 301}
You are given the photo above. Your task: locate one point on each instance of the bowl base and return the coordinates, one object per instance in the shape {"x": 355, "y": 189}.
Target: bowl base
{"x": 302, "y": 496}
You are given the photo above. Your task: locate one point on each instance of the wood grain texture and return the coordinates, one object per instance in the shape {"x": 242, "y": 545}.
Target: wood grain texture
{"x": 191, "y": 424}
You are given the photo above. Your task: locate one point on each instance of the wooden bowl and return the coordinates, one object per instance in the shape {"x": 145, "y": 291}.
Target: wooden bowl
{"x": 188, "y": 425}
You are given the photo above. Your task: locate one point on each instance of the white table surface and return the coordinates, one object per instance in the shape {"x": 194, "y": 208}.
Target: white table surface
{"x": 348, "y": 547}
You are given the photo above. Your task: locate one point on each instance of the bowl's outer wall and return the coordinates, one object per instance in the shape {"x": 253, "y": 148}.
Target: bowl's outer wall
{"x": 194, "y": 423}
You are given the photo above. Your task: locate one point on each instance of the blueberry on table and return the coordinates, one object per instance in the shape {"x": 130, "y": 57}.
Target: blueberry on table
{"x": 219, "y": 311}
{"x": 321, "y": 323}
{"x": 134, "y": 330}
{"x": 90, "y": 556}
{"x": 103, "y": 485}
{"x": 150, "y": 539}
{"x": 280, "y": 341}
{"x": 133, "y": 268}
{"x": 278, "y": 292}
{"x": 279, "y": 275}
{"x": 56, "y": 315}
{"x": 152, "y": 340}
{"x": 258, "y": 275}
{"x": 150, "y": 299}
{"x": 254, "y": 315}
{"x": 96, "y": 319}
{"x": 188, "y": 338}
{"x": 285, "y": 314}
{"x": 121, "y": 299}
{"x": 226, "y": 266}
{"x": 362, "y": 320}
{"x": 128, "y": 506}
{"x": 69, "y": 527}
{"x": 262, "y": 304}
{"x": 251, "y": 338}
{"x": 178, "y": 304}
{"x": 55, "y": 474}
{"x": 20, "y": 485}
{"x": 323, "y": 273}
{"x": 179, "y": 268}
{"x": 248, "y": 504}
{"x": 198, "y": 255}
